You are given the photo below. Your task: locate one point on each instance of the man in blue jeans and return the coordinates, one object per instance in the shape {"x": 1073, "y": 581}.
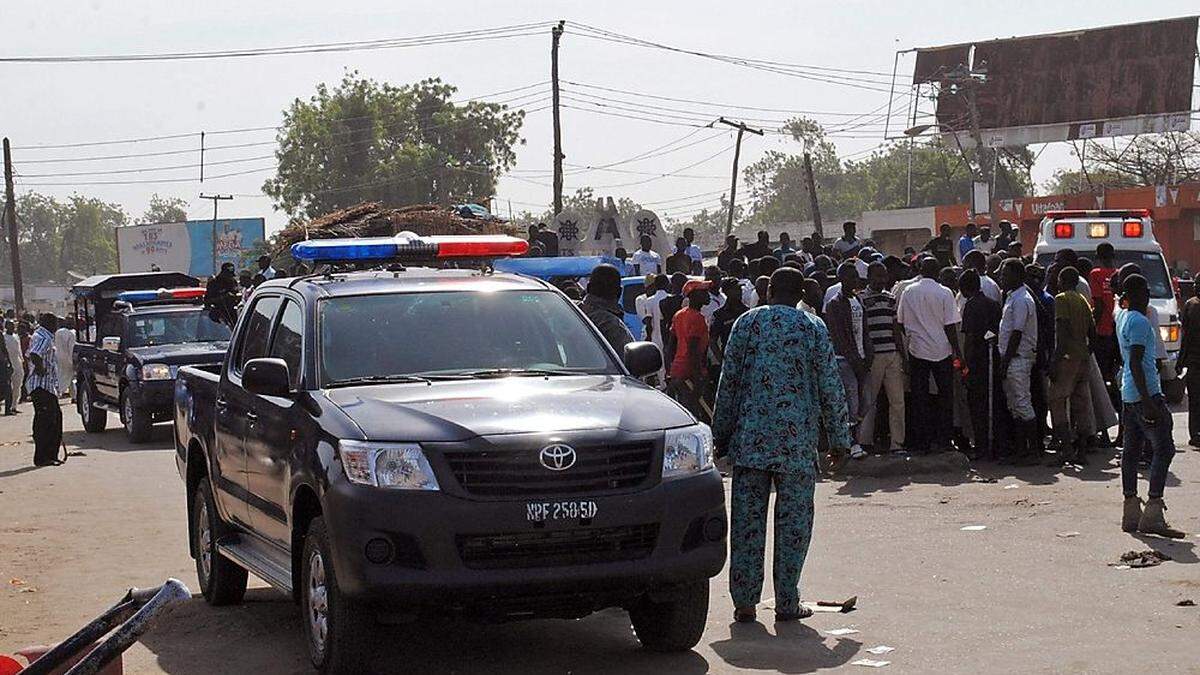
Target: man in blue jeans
{"x": 1144, "y": 413}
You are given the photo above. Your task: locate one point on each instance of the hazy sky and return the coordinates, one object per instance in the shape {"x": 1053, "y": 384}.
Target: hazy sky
{"x": 53, "y": 104}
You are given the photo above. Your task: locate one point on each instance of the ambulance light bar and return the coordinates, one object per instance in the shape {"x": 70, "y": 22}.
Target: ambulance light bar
{"x": 1103, "y": 213}
{"x": 408, "y": 246}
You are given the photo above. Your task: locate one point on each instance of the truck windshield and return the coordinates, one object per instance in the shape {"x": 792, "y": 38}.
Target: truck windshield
{"x": 457, "y": 333}
{"x": 1151, "y": 262}
{"x": 174, "y": 327}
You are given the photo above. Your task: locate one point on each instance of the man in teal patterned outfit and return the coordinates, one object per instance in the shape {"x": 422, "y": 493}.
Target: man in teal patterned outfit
{"x": 779, "y": 390}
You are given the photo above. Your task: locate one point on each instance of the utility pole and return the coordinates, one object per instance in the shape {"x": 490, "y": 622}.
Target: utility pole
{"x": 10, "y": 222}
{"x": 556, "y": 33}
{"x": 737, "y": 152}
{"x": 216, "y": 199}
{"x": 968, "y": 82}
{"x": 812, "y": 197}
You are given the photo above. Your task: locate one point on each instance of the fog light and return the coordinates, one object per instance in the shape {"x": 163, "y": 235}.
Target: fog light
{"x": 714, "y": 529}
{"x": 379, "y": 550}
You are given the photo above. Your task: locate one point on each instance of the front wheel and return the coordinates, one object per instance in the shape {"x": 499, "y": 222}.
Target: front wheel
{"x": 675, "y": 623}
{"x": 222, "y": 581}
{"x": 137, "y": 422}
{"x": 94, "y": 419}
{"x": 337, "y": 631}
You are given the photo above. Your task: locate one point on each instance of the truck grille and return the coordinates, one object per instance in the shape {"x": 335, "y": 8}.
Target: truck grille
{"x": 519, "y": 473}
{"x": 578, "y": 546}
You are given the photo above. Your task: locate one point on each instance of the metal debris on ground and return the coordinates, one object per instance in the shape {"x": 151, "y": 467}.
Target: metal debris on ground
{"x": 839, "y": 632}
{"x": 1067, "y": 535}
{"x": 973, "y": 528}
{"x": 870, "y": 663}
{"x": 1146, "y": 558}
{"x": 1011, "y": 486}
{"x": 881, "y": 649}
{"x": 844, "y": 607}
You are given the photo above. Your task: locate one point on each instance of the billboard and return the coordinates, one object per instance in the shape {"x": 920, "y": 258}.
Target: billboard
{"x": 188, "y": 246}
{"x": 1113, "y": 81}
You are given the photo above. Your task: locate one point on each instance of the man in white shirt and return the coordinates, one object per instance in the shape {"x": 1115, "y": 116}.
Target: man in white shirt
{"x": 974, "y": 259}
{"x": 13, "y": 344}
{"x": 693, "y": 251}
{"x": 64, "y": 349}
{"x": 928, "y": 317}
{"x": 984, "y": 242}
{"x": 644, "y": 260}
{"x": 265, "y": 269}
{"x": 848, "y": 241}
{"x": 1018, "y": 348}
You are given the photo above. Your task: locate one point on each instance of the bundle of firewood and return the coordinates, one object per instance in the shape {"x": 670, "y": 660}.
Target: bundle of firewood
{"x": 372, "y": 219}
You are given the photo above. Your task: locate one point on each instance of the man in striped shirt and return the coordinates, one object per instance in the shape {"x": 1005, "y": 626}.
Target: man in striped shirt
{"x": 43, "y": 391}
{"x": 887, "y": 369}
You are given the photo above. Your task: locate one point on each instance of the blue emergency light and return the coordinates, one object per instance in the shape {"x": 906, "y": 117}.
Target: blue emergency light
{"x": 407, "y": 245}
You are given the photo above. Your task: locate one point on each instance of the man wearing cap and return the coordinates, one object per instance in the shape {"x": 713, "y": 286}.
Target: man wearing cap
{"x": 689, "y": 367}
{"x": 779, "y": 387}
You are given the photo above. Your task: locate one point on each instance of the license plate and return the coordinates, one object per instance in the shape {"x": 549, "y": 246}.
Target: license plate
{"x": 571, "y": 509}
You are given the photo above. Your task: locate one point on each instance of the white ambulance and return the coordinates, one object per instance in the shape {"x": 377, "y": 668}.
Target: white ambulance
{"x": 1131, "y": 233}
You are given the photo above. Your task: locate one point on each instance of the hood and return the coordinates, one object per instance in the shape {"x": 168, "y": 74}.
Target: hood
{"x": 180, "y": 354}
{"x": 459, "y": 410}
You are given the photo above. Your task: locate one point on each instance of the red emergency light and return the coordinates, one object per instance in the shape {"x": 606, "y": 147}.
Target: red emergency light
{"x": 1064, "y": 230}
{"x": 1132, "y": 228}
{"x": 478, "y": 246}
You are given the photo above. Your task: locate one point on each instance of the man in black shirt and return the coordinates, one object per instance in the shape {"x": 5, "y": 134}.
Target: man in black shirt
{"x": 730, "y": 253}
{"x": 679, "y": 261}
{"x": 760, "y": 248}
{"x": 980, "y": 316}
{"x": 942, "y": 246}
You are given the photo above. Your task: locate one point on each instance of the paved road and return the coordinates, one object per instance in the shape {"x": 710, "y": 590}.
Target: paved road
{"x": 1015, "y": 597}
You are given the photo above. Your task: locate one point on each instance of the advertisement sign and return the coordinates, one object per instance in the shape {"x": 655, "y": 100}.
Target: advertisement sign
{"x": 188, "y": 246}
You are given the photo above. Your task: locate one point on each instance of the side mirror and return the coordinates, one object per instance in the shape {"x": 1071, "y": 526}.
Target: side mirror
{"x": 642, "y": 358}
{"x": 267, "y": 377}
{"x": 110, "y": 344}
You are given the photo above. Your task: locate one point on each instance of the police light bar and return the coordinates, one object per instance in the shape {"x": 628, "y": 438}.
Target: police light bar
{"x": 408, "y": 246}
{"x": 1102, "y": 213}
{"x": 160, "y": 295}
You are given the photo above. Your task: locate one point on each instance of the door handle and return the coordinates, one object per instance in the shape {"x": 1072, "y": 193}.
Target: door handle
{"x": 252, "y": 416}
{"x": 221, "y": 404}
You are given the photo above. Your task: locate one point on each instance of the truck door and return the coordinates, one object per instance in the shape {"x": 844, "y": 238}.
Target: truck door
{"x": 107, "y": 365}
{"x": 270, "y": 440}
{"x": 234, "y": 416}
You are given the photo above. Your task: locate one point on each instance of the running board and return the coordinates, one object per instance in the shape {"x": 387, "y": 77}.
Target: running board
{"x": 260, "y": 559}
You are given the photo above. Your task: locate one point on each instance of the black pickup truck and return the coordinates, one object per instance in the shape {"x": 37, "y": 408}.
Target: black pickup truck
{"x": 388, "y": 444}
{"x": 127, "y": 352}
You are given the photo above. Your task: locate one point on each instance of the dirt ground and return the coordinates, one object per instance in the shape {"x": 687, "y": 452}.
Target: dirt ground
{"x": 1022, "y": 595}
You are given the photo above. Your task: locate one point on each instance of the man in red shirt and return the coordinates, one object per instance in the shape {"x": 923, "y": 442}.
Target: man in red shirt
{"x": 1108, "y": 355}
{"x": 688, "y": 373}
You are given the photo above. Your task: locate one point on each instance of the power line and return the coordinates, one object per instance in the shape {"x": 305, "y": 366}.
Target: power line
{"x": 726, "y": 106}
{"x": 501, "y": 32}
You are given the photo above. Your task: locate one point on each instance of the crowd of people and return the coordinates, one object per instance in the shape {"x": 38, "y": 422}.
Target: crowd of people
{"x": 967, "y": 345}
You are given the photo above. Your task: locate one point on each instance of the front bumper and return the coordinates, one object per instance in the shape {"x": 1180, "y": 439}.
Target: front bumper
{"x": 427, "y": 530}
{"x": 156, "y": 398}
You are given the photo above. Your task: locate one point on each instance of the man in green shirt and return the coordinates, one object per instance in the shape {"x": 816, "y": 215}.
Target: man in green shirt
{"x": 1070, "y": 397}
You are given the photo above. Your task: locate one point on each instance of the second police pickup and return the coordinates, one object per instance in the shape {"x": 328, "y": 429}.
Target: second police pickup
{"x": 405, "y": 440}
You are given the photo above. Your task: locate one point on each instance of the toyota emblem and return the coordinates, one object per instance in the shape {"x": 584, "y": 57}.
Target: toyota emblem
{"x": 557, "y": 457}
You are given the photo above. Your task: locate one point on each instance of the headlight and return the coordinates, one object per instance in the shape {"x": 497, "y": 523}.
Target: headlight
{"x": 402, "y": 466}
{"x": 156, "y": 371}
{"x": 687, "y": 451}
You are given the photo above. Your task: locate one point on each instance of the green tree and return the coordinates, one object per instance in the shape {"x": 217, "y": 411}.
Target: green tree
{"x": 363, "y": 140}
{"x": 88, "y": 241}
{"x": 56, "y": 236}
{"x": 165, "y": 210}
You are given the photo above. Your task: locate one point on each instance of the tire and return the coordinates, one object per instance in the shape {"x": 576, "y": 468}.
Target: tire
{"x": 337, "y": 631}
{"x": 222, "y": 582}
{"x": 675, "y": 624}
{"x": 94, "y": 419}
{"x": 137, "y": 422}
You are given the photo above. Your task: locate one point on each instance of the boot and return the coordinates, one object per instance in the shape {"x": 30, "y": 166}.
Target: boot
{"x": 1132, "y": 515}
{"x": 1154, "y": 521}
{"x": 1025, "y": 443}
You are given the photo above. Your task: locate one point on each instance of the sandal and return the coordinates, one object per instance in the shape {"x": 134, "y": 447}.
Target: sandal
{"x": 801, "y": 613}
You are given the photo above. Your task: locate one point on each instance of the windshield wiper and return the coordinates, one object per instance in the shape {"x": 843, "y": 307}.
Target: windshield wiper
{"x": 378, "y": 379}
{"x": 485, "y": 373}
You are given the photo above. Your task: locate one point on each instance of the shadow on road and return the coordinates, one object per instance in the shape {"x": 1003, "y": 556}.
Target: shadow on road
{"x": 18, "y": 471}
{"x": 1178, "y": 550}
{"x": 114, "y": 440}
{"x": 263, "y": 636}
{"x": 794, "y": 648}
